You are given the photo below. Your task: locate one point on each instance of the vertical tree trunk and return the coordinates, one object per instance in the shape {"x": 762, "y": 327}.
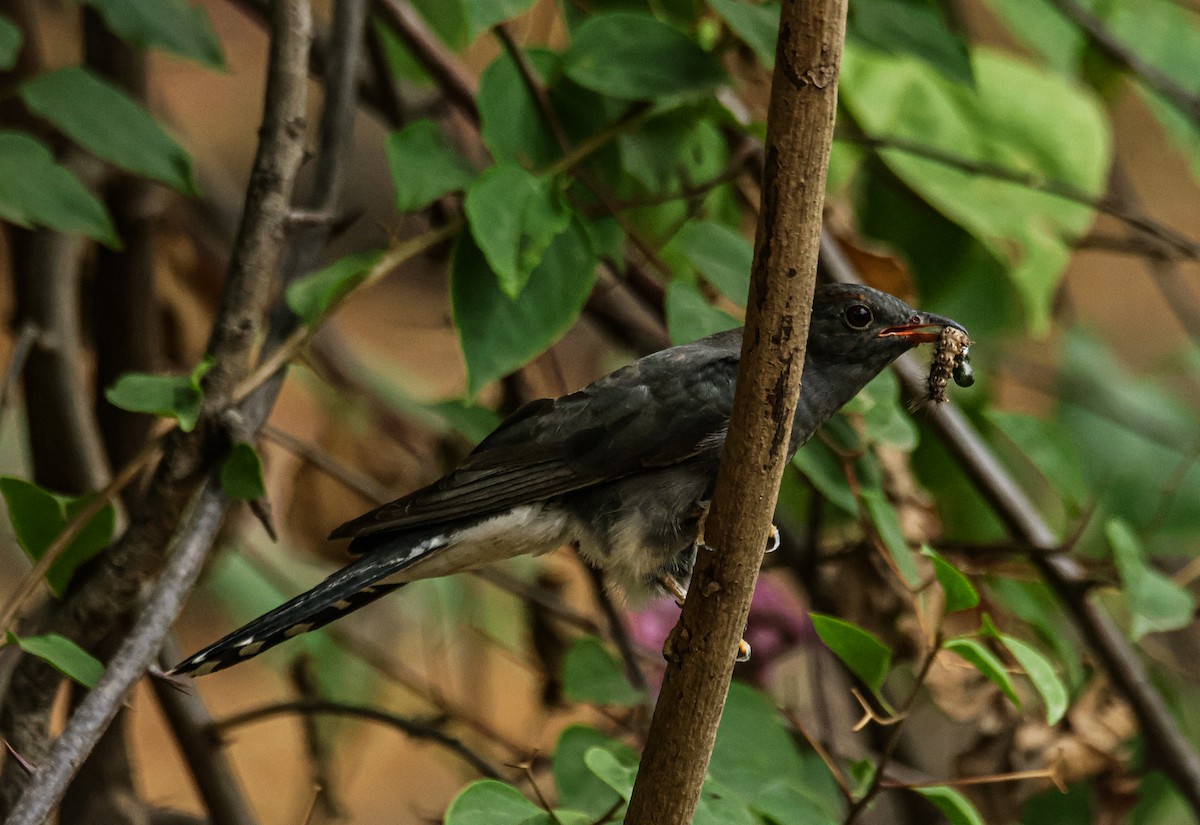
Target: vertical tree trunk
{"x": 703, "y": 644}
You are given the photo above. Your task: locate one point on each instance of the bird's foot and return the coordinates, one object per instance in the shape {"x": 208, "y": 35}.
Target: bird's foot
{"x": 677, "y": 591}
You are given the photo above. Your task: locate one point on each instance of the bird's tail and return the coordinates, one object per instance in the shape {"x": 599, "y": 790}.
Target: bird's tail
{"x": 345, "y": 591}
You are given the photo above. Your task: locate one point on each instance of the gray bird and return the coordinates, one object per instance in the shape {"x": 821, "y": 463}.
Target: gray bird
{"x": 621, "y": 470}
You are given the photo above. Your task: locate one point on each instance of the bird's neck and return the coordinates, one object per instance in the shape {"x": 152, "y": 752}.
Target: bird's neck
{"x": 825, "y": 388}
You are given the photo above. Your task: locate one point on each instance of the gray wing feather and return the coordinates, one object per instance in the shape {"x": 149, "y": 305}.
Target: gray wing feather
{"x": 658, "y": 411}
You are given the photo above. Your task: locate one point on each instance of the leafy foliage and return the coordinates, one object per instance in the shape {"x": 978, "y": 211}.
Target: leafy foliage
{"x": 965, "y": 175}
{"x": 39, "y": 517}
{"x": 592, "y": 674}
{"x": 171, "y": 396}
{"x": 101, "y": 117}
{"x": 37, "y": 191}
{"x": 64, "y": 655}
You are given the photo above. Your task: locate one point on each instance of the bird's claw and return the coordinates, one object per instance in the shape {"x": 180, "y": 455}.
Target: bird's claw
{"x": 773, "y": 540}
{"x": 674, "y": 589}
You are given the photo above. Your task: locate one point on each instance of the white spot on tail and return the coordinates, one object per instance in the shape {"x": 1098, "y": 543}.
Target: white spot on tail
{"x": 297, "y": 629}
{"x": 204, "y": 669}
{"x": 341, "y": 604}
{"x": 246, "y": 651}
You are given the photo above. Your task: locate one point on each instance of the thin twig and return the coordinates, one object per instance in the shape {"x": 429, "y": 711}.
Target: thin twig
{"x": 1182, "y": 244}
{"x": 893, "y": 741}
{"x": 27, "y": 334}
{"x": 189, "y": 719}
{"x": 1149, "y": 75}
{"x": 409, "y": 727}
{"x": 360, "y": 483}
{"x": 459, "y": 86}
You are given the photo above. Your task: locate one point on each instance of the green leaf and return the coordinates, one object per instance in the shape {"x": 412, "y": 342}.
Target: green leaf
{"x": 823, "y": 469}
{"x": 615, "y": 772}
{"x": 1041, "y": 673}
{"x": 488, "y": 802}
{"x": 173, "y": 25}
{"x": 860, "y": 650}
{"x": 170, "y": 396}
{"x": 1003, "y": 123}
{"x": 100, "y": 117}
{"x": 956, "y": 807}
{"x": 912, "y": 27}
{"x": 887, "y": 525}
{"x": 986, "y": 663}
{"x": 578, "y": 787}
{"x": 10, "y": 43}
{"x": 62, "y": 654}
{"x": 960, "y": 593}
{"x": 1051, "y": 450}
{"x": 483, "y": 14}
{"x": 313, "y": 295}
{"x": 721, "y": 255}
{"x": 36, "y": 191}
{"x": 883, "y": 413}
{"x": 756, "y": 758}
{"x": 637, "y": 57}
{"x": 512, "y": 124}
{"x": 424, "y": 166}
{"x": 592, "y": 674}
{"x": 757, "y": 25}
{"x": 38, "y": 518}
{"x": 1157, "y": 603}
{"x": 514, "y": 217}
{"x": 499, "y": 334}
{"x": 720, "y": 805}
{"x": 242, "y": 473}
{"x": 448, "y": 19}
{"x": 1045, "y": 30}
{"x": 690, "y": 317}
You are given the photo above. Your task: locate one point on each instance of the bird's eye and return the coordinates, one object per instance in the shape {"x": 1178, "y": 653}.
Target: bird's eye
{"x": 858, "y": 316}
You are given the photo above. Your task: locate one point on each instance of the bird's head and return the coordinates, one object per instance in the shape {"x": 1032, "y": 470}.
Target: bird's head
{"x": 860, "y": 326}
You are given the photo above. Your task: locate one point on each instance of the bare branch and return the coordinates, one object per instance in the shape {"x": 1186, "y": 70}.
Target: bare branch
{"x": 1182, "y": 244}
{"x": 704, "y": 643}
{"x": 1148, "y": 75}
{"x": 409, "y": 727}
{"x": 191, "y": 724}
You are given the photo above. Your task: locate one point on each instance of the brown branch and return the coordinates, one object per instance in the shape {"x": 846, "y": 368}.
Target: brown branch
{"x": 1169, "y": 749}
{"x": 1162, "y": 233}
{"x": 114, "y": 585}
{"x": 459, "y": 86}
{"x": 703, "y": 644}
{"x": 27, "y": 334}
{"x": 190, "y": 722}
{"x": 1150, "y": 76}
{"x": 98, "y": 708}
{"x": 67, "y": 453}
{"x": 893, "y": 741}
{"x": 409, "y": 727}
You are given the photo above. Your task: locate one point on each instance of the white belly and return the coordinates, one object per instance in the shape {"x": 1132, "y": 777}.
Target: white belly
{"x": 531, "y": 529}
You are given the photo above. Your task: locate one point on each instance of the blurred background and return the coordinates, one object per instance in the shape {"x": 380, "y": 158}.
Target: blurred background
{"x": 995, "y": 161}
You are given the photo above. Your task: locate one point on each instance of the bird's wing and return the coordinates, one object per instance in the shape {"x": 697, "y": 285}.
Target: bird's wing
{"x": 656, "y": 412}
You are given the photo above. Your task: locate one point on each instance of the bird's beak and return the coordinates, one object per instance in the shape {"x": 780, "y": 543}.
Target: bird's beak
{"x": 923, "y": 328}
